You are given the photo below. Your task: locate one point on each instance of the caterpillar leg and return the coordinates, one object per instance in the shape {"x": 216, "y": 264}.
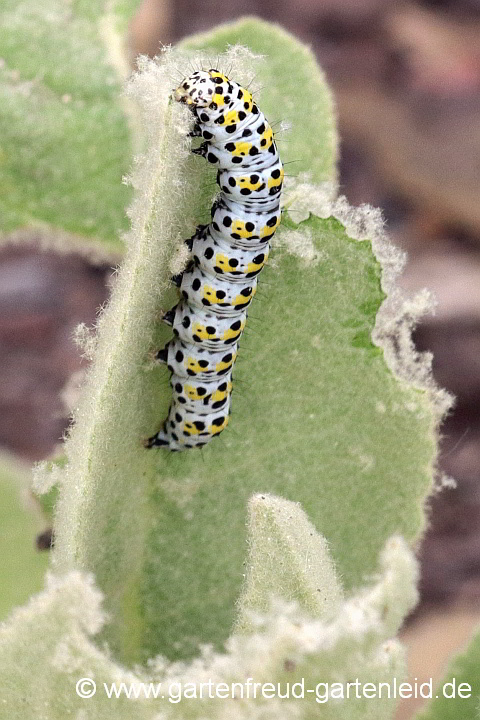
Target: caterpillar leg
{"x": 198, "y": 234}
{"x": 162, "y": 355}
{"x": 160, "y": 439}
{"x": 196, "y": 131}
{"x": 202, "y": 150}
{"x": 177, "y": 279}
{"x": 169, "y": 316}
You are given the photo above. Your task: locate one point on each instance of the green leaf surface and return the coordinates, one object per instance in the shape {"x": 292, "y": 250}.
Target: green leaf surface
{"x": 287, "y": 558}
{"x": 64, "y": 137}
{"x": 452, "y": 699}
{"x": 318, "y": 417}
{"x": 46, "y": 648}
{"x": 51, "y": 668}
{"x": 22, "y": 566}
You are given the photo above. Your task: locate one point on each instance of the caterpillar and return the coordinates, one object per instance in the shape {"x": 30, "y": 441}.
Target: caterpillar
{"x": 227, "y": 255}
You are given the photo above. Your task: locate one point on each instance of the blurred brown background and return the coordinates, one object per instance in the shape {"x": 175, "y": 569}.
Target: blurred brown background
{"x": 406, "y": 77}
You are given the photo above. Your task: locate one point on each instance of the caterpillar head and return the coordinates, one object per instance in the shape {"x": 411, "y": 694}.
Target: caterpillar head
{"x": 200, "y": 88}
